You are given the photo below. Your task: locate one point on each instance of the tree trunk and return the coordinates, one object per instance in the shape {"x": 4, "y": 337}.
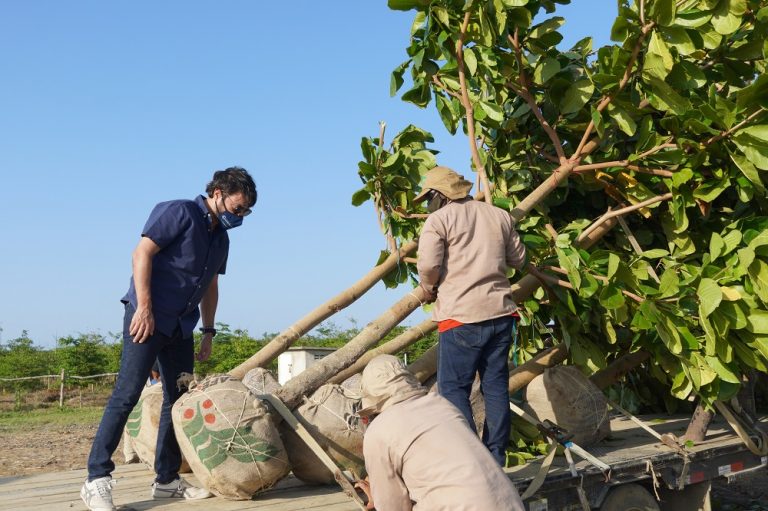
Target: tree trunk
{"x": 426, "y": 365}
{"x": 319, "y": 373}
{"x": 697, "y": 428}
{"x": 396, "y": 345}
{"x": 284, "y": 341}
{"x": 618, "y": 368}
{"x": 522, "y": 375}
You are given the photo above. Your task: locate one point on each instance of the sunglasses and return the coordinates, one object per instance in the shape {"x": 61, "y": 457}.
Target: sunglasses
{"x": 237, "y": 210}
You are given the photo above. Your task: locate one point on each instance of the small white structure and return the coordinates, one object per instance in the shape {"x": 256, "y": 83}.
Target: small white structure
{"x": 298, "y": 358}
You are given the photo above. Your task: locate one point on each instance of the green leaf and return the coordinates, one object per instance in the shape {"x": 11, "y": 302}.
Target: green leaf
{"x": 611, "y": 297}
{"x": 570, "y": 266}
{"x": 710, "y": 296}
{"x": 757, "y": 322}
{"x": 692, "y": 19}
{"x": 716, "y": 246}
{"x": 396, "y": 81}
{"x": 724, "y": 21}
{"x": 447, "y": 114}
{"x": 442, "y": 15}
{"x": 758, "y": 271}
{"x": 470, "y": 60}
{"x": 748, "y": 169}
{"x": 655, "y": 253}
{"x": 407, "y": 5}
{"x": 754, "y": 94}
{"x": 734, "y": 314}
{"x": 514, "y": 3}
{"x": 360, "y": 197}
{"x": 623, "y": 119}
{"x": 577, "y": 96}
{"x": 754, "y": 149}
{"x": 666, "y": 98}
{"x": 663, "y": 12}
{"x": 658, "y": 61}
{"x": 546, "y": 27}
{"x": 669, "y": 284}
{"x": 613, "y": 265}
{"x": 545, "y": 70}
{"x": 758, "y": 241}
{"x": 493, "y": 111}
{"x": 678, "y": 38}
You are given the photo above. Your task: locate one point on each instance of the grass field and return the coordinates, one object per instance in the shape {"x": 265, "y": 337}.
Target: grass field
{"x": 11, "y": 422}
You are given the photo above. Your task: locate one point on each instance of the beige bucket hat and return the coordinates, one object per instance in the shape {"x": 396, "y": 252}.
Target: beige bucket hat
{"x": 386, "y": 382}
{"x": 446, "y": 181}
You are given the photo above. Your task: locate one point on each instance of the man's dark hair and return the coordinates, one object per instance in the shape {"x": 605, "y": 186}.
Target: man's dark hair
{"x": 232, "y": 181}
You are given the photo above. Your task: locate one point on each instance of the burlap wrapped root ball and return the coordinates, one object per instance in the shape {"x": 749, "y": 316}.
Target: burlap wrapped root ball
{"x": 566, "y": 397}
{"x": 261, "y": 381}
{"x": 229, "y": 438}
{"x": 140, "y": 436}
{"x": 330, "y": 414}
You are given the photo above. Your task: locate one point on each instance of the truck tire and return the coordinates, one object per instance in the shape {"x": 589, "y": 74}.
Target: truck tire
{"x": 630, "y": 497}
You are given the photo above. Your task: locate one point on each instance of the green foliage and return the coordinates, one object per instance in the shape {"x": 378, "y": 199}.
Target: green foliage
{"x": 85, "y": 355}
{"x": 20, "y": 357}
{"x": 674, "y": 112}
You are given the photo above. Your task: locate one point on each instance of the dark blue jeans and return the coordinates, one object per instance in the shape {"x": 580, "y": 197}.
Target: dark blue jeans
{"x": 175, "y": 356}
{"x": 479, "y": 348}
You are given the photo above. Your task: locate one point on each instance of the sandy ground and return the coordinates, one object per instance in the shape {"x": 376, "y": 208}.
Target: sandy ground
{"x": 50, "y": 449}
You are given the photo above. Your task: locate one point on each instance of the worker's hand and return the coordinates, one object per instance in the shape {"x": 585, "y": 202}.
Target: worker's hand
{"x": 142, "y": 324}
{"x": 365, "y": 485}
{"x": 429, "y": 296}
{"x": 205, "y": 348}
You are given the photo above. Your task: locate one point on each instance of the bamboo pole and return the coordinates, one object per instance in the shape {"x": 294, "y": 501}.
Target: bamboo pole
{"x": 316, "y": 375}
{"x": 286, "y": 338}
{"x": 399, "y": 343}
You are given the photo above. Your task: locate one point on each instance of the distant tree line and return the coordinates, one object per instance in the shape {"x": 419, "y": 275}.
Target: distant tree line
{"x": 91, "y": 353}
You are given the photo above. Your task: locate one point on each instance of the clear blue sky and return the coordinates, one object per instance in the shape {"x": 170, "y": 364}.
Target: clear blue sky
{"x": 110, "y": 107}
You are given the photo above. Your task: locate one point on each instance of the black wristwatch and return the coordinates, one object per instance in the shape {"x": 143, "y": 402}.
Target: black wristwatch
{"x": 208, "y": 330}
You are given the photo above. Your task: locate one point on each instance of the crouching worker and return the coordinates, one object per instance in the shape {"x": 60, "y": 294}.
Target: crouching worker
{"x": 420, "y": 453}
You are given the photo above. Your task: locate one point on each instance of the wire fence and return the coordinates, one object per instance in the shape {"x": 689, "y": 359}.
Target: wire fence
{"x": 53, "y": 380}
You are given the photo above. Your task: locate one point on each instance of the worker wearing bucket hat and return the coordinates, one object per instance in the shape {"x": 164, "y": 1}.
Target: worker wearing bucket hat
{"x": 465, "y": 249}
{"x": 419, "y": 451}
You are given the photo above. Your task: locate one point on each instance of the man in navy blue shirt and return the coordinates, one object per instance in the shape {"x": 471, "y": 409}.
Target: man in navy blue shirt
{"x": 176, "y": 266}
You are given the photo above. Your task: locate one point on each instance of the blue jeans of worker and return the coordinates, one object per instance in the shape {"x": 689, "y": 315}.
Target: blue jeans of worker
{"x": 175, "y": 355}
{"x": 481, "y": 348}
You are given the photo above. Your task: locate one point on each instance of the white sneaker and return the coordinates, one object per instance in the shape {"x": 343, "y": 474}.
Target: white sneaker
{"x": 97, "y": 494}
{"x": 179, "y": 489}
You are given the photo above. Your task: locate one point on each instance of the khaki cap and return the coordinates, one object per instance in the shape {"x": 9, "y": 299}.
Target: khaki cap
{"x": 445, "y": 181}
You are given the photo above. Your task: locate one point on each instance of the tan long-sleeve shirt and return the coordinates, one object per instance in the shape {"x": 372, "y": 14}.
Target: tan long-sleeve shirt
{"x": 465, "y": 249}
{"x": 420, "y": 454}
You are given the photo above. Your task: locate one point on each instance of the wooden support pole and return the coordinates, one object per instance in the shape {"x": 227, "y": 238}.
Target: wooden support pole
{"x": 61, "y": 389}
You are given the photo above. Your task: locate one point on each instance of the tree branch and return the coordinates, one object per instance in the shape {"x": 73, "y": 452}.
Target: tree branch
{"x": 622, "y": 83}
{"x": 623, "y": 211}
{"x": 445, "y": 88}
{"x": 729, "y": 132}
{"x": 601, "y": 278}
{"x": 636, "y": 246}
{"x": 624, "y": 164}
{"x": 525, "y": 93}
{"x": 469, "y": 110}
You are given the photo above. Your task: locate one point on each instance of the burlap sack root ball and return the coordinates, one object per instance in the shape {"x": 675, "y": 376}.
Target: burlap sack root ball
{"x": 140, "y": 436}
{"x": 330, "y": 414}
{"x": 229, "y": 439}
{"x": 566, "y": 397}
{"x": 261, "y": 381}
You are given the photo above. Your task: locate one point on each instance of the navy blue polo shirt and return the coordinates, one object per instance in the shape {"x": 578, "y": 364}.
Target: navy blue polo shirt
{"x": 190, "y": 255}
